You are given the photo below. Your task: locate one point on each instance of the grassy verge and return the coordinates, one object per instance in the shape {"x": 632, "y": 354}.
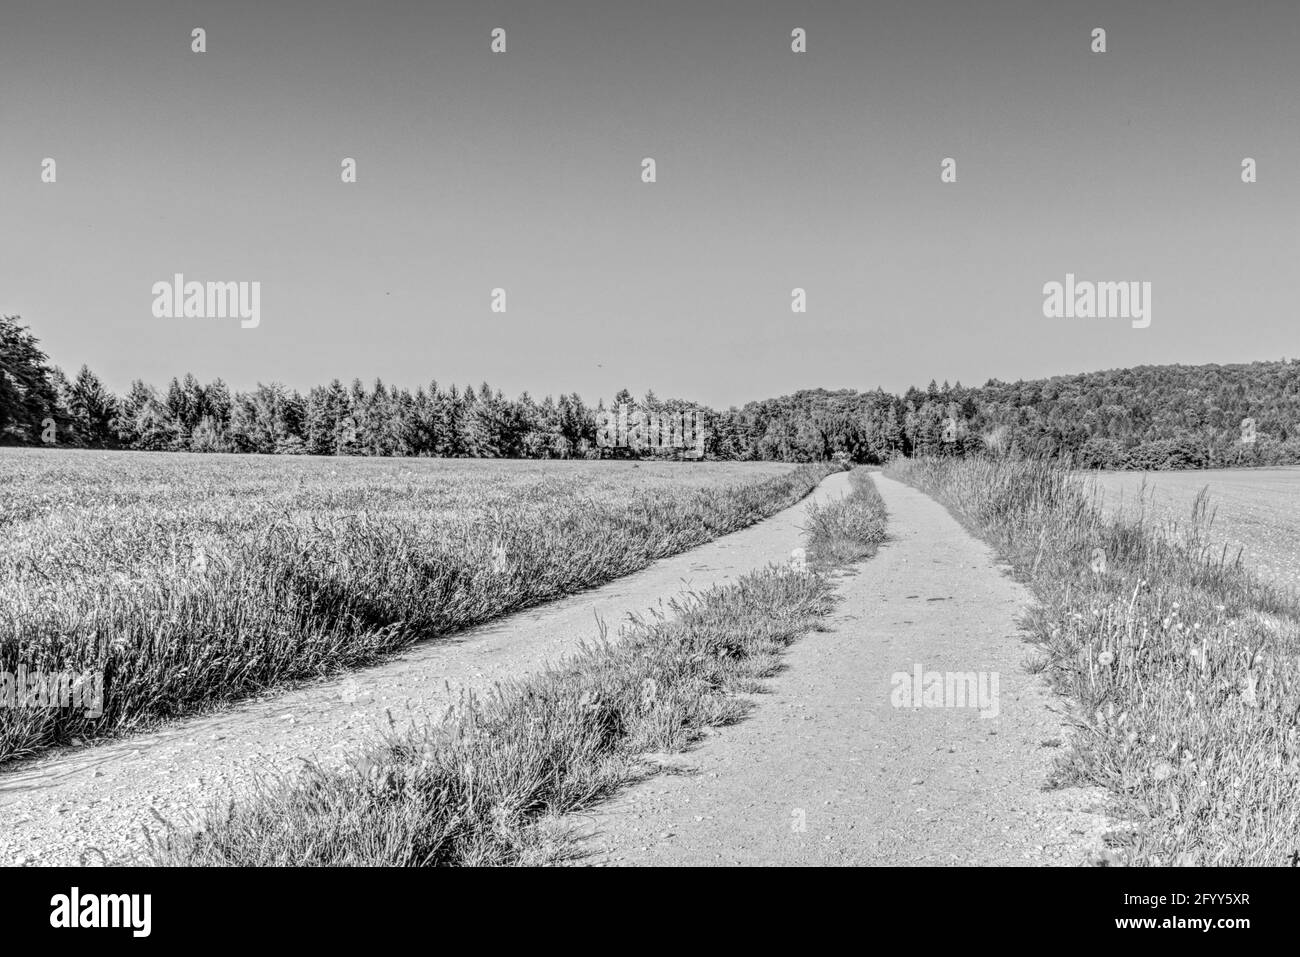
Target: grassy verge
{"x": 186, "y": 608}
{"x": 1182, "y": 667}
{"x": 484, "y": 786}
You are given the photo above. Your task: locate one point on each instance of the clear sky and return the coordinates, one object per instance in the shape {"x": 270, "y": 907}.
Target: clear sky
{"x": 522, "y": 170}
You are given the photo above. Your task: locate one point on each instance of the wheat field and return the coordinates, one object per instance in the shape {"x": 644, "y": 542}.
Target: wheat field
{"x": 188, "y": 580}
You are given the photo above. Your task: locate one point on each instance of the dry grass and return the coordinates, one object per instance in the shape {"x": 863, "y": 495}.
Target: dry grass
{"x": 192, "y": 580}
{"x": 1181, "y": 665}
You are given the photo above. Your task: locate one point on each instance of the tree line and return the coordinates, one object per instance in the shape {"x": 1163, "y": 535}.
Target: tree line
{"x": 1148, "y": 417}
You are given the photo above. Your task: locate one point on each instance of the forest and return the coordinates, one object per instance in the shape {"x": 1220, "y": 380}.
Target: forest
{"x": 1146, "y": 417}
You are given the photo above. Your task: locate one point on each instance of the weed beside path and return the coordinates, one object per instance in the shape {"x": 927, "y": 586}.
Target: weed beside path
{"x": 1182, "y": 668}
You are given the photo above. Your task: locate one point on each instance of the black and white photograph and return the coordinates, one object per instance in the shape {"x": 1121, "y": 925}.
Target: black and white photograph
{"x": 649, "y": 434}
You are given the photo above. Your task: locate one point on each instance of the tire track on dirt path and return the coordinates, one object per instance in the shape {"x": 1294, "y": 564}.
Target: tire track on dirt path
{"x": 826, "y": 771}
{"x": 93, "y": 804}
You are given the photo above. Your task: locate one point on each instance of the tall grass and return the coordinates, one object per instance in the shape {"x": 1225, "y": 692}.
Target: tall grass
{"x": 848, "y": 529}
{"x": 487, "y": 784}
{"x": 1182, "y": 666}
{"x": 210, "y": 597}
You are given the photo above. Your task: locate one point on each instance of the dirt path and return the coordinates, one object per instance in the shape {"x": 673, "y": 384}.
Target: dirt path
{"x": 828, "y": 771}
{"x": 93, "y": 804}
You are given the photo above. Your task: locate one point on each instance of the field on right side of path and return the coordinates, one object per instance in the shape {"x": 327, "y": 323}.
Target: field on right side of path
{"x": 1255, "y": 511}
